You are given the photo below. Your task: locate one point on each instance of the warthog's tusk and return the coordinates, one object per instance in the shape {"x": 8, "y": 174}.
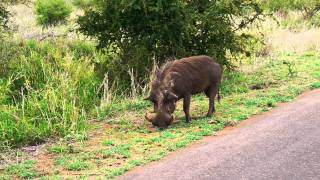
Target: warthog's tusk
{"x": 150, "y": 116}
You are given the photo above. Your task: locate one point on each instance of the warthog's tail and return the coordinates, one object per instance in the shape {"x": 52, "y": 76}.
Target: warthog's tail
{"x": 219, "y": 97}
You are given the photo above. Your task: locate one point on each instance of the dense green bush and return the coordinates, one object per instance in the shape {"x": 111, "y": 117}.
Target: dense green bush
{"x": 154, "y": 30}
{"x": 49, "y": 89}
{"x": 315, "y": 20}
{"x": 277, "y": 5}
{"x": 82, "y": 3}
{"x": 4, "y": 17}
{"x": 52, "y": 12}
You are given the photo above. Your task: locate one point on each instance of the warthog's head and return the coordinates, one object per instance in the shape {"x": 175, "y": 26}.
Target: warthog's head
{"x": 164, "y": 101}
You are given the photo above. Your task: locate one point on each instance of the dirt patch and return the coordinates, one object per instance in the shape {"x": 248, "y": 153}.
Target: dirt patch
{"x": 260, "y": 86}
{"x": 45, "y": 164}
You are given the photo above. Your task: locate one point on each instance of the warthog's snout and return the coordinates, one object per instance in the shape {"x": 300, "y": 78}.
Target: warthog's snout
{"x": 150, "y": 116}
{"x": 160, "y": 120}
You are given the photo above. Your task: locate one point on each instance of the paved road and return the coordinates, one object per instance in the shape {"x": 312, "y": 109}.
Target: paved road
{"x": 281, "y": 144}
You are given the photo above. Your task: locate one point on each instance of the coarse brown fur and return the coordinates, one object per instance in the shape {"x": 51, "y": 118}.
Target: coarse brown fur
{"x": 180, "y": 79}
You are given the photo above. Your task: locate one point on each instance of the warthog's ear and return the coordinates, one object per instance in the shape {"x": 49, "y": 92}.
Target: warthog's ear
{"x": 170, "y": 95}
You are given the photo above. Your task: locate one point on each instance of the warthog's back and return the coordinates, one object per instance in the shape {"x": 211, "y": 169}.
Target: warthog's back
{"x": 193, "y": 74}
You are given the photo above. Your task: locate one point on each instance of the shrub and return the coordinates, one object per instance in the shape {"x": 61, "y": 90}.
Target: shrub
{"x": 154, "y": 30}
{"x": 82, "y": 3}
{"x": 4, "y": 17}
{"x": 5, "y": 14}
{"x": 315, "y": 20}
{"x": 277, "y": 5}
{"x": 52, "y": 12}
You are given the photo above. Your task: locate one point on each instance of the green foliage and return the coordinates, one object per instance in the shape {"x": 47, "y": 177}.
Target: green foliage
{"x": 154, "y": 30}
{"x": 315, "y": 85}
{"x": 82, "y": 3}
{"x": 309, "y": 7}
{"x": 277, "y": 5}
{"x": 72, "y": 164}
{"x": 52, "y": 12}
{"x": 108, "y": 143}
{"x": 291, "y": 70}
{"x": 24, "y": 170}
{"x": 4, "y": 18}
{"x": 49, "y": 89}
{"x": 315, "y": 20}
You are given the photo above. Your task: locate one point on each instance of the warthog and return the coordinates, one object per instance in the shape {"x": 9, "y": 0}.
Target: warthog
{"x": 180, "y": 79}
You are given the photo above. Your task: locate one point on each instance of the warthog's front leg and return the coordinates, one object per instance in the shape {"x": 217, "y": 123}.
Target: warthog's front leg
{"x": 186, "y": 107}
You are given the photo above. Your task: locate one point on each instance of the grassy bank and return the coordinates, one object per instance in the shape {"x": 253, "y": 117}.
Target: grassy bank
{"x": 47, "y": 89}
{"x": 124, "y": 140}
{"x": 64, "y": 93}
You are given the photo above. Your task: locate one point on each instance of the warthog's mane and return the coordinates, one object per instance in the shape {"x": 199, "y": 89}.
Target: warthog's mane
{"x": 163, "y": 70}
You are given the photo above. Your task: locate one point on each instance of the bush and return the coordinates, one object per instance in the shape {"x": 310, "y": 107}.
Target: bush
{"x": 82, "y": 3}
{"x": 154, "y": 30}
{"x": 4, "y": 17}
{"x": 5, "y": 14}
{"x": 315, "y": 20}
{"x": 277, "y": 5}
{"x": 52, "y": 12}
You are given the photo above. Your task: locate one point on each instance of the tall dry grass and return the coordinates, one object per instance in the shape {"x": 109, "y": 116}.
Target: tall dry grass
{"x": 287, "y": 33}
{"x": 284, "y": 40}
{"x": 26, "y": 27}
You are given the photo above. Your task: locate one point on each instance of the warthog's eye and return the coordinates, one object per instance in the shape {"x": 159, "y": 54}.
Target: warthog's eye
{"x": 154, "y": 102}
{"x": 170, "y": 107}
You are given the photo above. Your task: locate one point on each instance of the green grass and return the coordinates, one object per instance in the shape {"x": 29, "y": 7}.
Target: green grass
{"x": 315, "y": 85}
{"x": 108, "y": 143}
{"x": 72, "y": 164}
{"x": 130, "y": 142}
{"x": 24, "y": 170}
{"x": 46, "y": 92}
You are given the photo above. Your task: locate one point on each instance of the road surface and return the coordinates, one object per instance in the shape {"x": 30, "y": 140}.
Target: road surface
{"x": 281, "y": 144}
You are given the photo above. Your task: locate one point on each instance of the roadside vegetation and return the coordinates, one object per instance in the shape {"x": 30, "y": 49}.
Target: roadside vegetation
{"x": 71, "y": 109}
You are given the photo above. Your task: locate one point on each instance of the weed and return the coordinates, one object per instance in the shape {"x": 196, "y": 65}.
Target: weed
{"x": 123, "y": 150}
{"x": 168, "y": 135}
{"x": 194, "y": 136}
{"x": 291, "y": 71}
{"x": 77, "y": 166}
{"x": 58, "y": 149}
{"x": 108, "y": 143}
{"x": 315, "y": 85}
{"x": 317, "y": 74}
{"x": 72, "y": 164}
{"x": 119, "y": 171}
{"x": 23, "y": 170}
